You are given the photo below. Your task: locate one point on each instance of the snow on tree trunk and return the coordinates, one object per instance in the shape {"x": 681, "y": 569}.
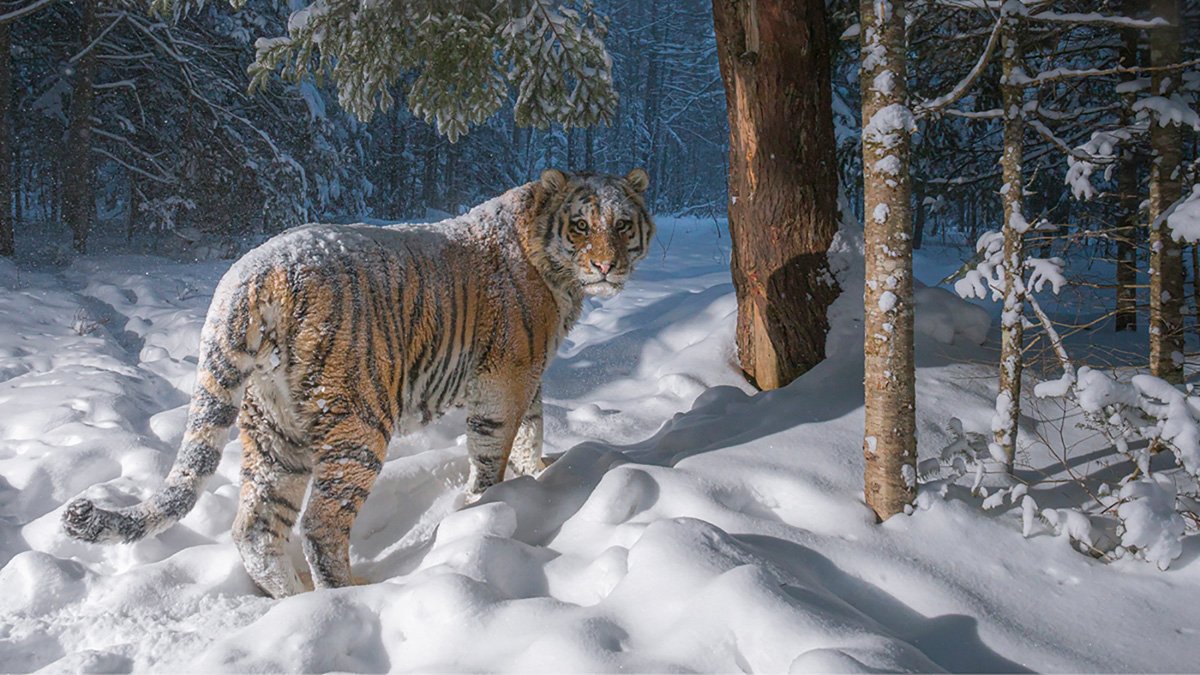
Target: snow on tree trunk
{"x": 1008, "y": 399}
{"x": 889, "y": 442}
{"x": 1166, "y": 262}
{"x": 79, "y": 198}
{"x": 1128, "y": 198}
{"x": 774, "y": 57}
{"x": 6, "y": 163}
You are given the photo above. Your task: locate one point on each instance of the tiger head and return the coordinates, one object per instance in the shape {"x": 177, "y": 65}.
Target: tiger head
{"x": 598, "y": 227}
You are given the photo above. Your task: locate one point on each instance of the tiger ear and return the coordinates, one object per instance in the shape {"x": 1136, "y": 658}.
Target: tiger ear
{"x": 554, "y": 180}
{"x": 638, "y": 179}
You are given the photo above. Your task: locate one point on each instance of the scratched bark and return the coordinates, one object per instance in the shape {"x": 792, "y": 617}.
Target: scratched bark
{"x": 774, "y": 59}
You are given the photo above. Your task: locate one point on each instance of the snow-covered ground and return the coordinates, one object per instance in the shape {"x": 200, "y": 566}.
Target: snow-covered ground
{"x": 688, "y": 524}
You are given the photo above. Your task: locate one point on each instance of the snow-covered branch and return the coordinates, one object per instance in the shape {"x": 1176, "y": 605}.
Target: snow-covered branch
{"x": 1062, "y": 74}
{"x": 1048, "y": 134}
{"x": 1096, "y": 19}
{"x": 35, "y": 6}
{"x": 932, "y": 106}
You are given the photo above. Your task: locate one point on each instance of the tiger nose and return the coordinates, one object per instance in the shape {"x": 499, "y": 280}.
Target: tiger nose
{"x": 604, "y": 267}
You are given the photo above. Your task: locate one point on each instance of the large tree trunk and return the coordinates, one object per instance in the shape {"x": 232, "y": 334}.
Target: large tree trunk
{"x": 79, "y": 189}
{"x": 7, "y": 166}
{"x": 774, "y": 58}
{"x": 1166, "y": 263}
{"x": 1008, "y": 400}
{"x": 889, "y": 439}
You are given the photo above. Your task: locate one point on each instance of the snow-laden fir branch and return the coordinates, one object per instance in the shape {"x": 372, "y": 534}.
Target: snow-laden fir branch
{"x": 1183, "y": 218}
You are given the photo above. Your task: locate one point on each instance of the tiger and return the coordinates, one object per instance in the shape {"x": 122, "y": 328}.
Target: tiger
{"x": 327, "y": 339}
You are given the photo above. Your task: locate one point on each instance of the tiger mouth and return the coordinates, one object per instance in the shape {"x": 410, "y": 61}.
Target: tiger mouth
{"x": 603, "y": 288}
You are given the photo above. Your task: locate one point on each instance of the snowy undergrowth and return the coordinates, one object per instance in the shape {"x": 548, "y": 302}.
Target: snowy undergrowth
{"x": 687, "y": 525}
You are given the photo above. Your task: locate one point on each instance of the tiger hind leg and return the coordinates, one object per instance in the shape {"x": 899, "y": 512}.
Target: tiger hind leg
{"x": 349, "y": 456}
{"x": 274, "y": 477}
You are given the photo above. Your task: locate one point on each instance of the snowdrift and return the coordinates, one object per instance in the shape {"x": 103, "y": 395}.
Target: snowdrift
{"x": 688, "y": 524}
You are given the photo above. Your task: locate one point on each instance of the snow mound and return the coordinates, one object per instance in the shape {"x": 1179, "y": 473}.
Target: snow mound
{"x": 688, "y": 524}
{"x": 948, "y": 319}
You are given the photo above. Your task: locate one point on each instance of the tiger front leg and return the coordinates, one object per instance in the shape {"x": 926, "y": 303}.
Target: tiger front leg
{"x": 526, "y": 456}
{"x": 495, "y": 412}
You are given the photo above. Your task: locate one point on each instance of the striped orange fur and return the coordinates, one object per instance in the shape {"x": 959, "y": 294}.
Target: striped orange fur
{"x": 327, "y": 339}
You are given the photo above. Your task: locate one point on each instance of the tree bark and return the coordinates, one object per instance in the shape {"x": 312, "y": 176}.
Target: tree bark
{"x": 131, "y": 222}
{"x": 920, "y": 215}
{"x": 429, "y": 187}
{"x": 1127, "y": 187}
{"x": 79, "y": 190}
{"x": 569, "y": 133}
{"x": 650, "y": 104}
{"x": 7, "y": 166}
{"x": 774, "y": 58}
{"x": 1166, "y": 263}
{"x": 1195, "y": 286}
{"x": 889, "y": 439}
{"x": 588, "y": 142}
{"x": 1008, "y": 399}
{"x": 399, "y": 167}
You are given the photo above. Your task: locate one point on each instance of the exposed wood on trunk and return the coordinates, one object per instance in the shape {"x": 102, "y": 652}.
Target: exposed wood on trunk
{"x": 79, "y": 181}
{"x": 782, "y": 182}
{"x": 889, "y": 439}
{"x": 1166, "y": 264}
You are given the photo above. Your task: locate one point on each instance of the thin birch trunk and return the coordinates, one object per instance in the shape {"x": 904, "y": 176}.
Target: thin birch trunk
{"x": 889, "y": 439}
{"x": 1008, "y": 399}
{"x": 1166, "y": 264}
